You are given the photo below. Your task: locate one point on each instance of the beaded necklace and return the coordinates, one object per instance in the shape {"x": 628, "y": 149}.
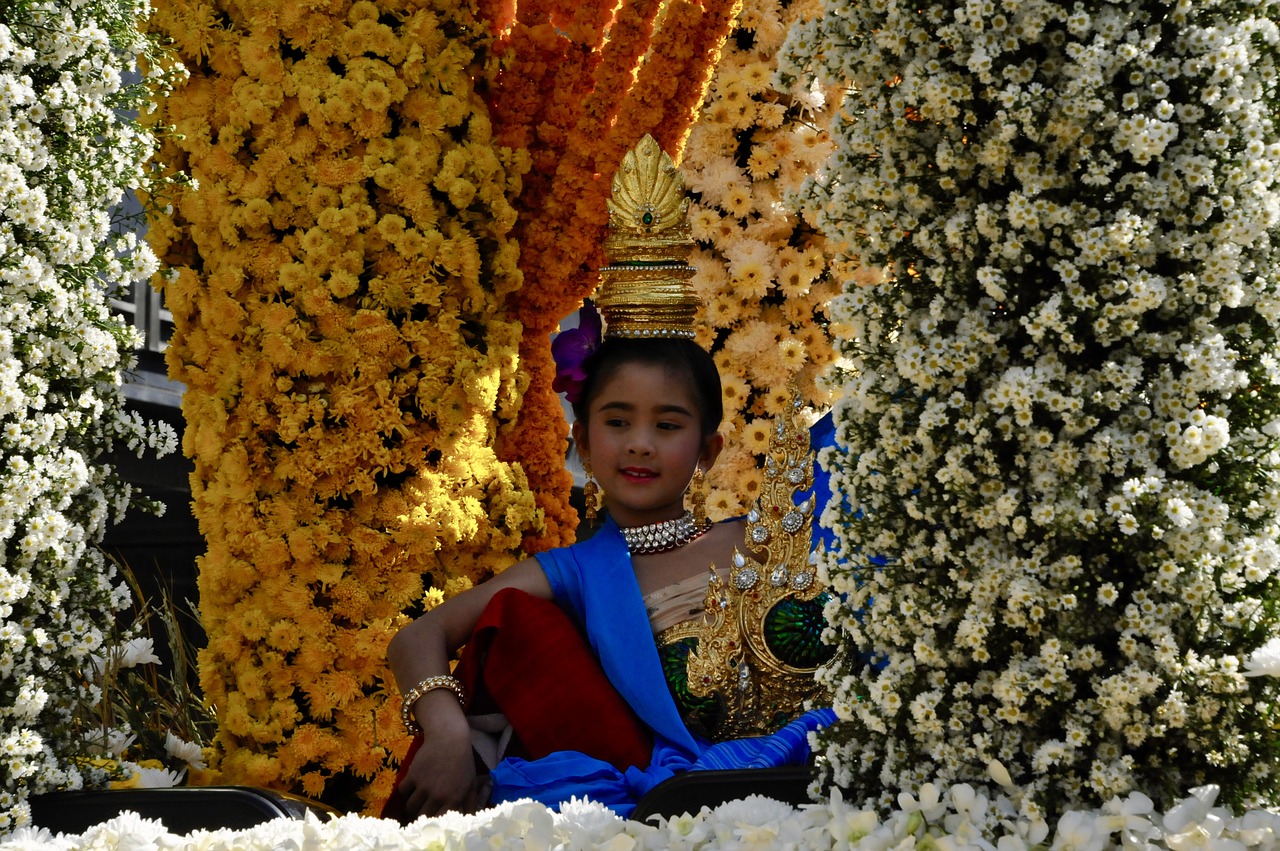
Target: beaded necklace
{"x": 667, "y": 535}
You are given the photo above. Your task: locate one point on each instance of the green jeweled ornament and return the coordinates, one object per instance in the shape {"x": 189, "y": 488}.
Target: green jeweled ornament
{"x": 793, "y": 632}
{"x": 701, "y": 714}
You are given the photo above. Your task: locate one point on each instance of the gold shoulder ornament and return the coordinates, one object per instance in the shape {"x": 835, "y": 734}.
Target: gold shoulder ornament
{"x": 752, "y": 657}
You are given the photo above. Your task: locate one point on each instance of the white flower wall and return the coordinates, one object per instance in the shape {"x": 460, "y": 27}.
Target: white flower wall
{"x": 68, "y": 150}
{"x": 1061, "y": 416}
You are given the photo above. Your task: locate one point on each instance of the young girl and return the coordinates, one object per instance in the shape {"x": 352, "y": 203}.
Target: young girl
{"x": 647, "y": 419}
{"x": 597, "y": 719}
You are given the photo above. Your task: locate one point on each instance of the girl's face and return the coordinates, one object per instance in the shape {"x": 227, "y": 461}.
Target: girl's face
{"x": 643, "y": 439}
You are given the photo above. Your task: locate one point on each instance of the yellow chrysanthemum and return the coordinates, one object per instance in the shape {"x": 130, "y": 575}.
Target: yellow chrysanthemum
{"x": 702, "y": 221}
{"x": 343, "y": 274}
{"x": 791, "y": 354}
{"x": 755, "y": 437}
{"x": 793, "y": 281}
{"x": 762, "y": 163}
{"x": 775, "y": 261}
{"x": 751, "y": 280}
{"x": 735, "y": 392}
{"x": 756, "y": 76}
{"x": 721, "y": 310}
{"x": 721, "y": 503}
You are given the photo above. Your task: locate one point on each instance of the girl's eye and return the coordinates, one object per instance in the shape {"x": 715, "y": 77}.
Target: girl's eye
{"x": 670, "y": 426}
{"x": 615, "y": 422}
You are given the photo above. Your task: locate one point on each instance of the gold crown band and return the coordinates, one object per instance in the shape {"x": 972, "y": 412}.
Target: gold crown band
{"x": 644, "y": 290}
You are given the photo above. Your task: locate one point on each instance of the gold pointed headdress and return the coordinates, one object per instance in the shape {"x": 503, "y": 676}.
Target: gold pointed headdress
{"x": 644, "y": 289}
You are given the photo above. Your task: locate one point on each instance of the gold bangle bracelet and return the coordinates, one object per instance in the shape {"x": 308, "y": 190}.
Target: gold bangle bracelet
{"x": 411, "y": 696}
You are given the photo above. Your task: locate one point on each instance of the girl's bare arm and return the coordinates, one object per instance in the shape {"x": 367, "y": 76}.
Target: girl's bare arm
{"x": 442, "y": 776}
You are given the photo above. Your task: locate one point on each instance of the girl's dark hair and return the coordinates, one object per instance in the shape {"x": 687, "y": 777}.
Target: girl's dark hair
{"x": 678, "y": 356}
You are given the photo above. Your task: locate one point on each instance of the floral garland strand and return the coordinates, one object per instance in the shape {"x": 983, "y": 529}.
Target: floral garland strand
{"x": 336, "y": 289}
{"x": 576, "y": 136}
{"x": 763, "y": 272}
{"x": 1061, "y": 422}
{"x": 68, "y": 152}
{"x": 547, "y": 66}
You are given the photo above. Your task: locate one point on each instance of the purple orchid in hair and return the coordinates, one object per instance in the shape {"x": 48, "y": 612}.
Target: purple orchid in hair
{"x": 571, "y": 348}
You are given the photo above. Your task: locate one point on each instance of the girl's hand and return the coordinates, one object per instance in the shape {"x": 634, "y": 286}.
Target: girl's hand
{"x": 442, "y": 776}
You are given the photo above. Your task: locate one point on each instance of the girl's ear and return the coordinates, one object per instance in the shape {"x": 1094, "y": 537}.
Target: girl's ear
{"x": 579, "y": 433}
{"x": 710, "y": 450}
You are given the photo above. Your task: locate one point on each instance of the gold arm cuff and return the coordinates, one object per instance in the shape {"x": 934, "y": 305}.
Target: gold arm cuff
{"x": 411, "y": 696}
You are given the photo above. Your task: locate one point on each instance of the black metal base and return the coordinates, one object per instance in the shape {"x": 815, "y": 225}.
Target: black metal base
{"x": 181, "y": 809}
{"x": 690, "y": 791}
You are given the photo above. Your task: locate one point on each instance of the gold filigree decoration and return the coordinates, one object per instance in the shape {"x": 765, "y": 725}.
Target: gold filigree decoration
{"x": 648, "y": 205}
{"x": 733, "y": 660}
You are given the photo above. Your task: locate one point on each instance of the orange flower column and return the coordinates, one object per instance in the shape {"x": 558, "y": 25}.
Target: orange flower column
{"x": 337, "y": 285}
{"x": 576, "y": 90}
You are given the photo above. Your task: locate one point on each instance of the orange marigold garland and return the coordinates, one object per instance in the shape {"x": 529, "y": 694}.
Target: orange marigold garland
{"x": 763, "y": 272}
{"x": 336, "y": 285}
{"x": 620, "y": 80}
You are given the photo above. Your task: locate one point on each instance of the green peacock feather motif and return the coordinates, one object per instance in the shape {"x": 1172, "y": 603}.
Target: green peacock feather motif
{"x": 793, "y": 632}
{"x": 701, "y": 714}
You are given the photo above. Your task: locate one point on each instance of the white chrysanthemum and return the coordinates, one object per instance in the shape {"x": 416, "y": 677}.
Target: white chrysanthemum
{"x": 68, "y": 152}
{"x": 137, "y": 651}
{"x": 1265, "y": 661}
{"x": 1193, "y": 822}
{"x": 154, "y": 778}
{"x": 1060, "y": 403}
{"x": 188, "y": 752}
{"x": 127, "y": 830}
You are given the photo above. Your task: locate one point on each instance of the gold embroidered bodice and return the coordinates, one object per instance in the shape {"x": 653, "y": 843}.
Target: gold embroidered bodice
{"x": 677, "y": 603}
{"x": 742, "y": 660}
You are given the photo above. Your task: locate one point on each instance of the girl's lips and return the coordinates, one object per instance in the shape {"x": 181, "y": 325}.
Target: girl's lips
{"x": 638, "y": 474}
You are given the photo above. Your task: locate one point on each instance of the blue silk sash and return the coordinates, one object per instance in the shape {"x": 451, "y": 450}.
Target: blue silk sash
{"x": 595, "y": 580}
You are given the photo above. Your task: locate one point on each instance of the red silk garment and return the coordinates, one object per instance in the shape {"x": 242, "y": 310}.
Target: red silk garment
{"x": 528, "y": 660}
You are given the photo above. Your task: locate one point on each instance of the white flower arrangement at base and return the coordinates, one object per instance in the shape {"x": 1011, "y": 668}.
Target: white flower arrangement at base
{"x": 934, "y": 819}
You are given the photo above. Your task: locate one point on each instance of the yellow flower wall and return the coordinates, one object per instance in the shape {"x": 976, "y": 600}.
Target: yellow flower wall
{"x": 337, "y": 284}
{"x": 763, "y": 272}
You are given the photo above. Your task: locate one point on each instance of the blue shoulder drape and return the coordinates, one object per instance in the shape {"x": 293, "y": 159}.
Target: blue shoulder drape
{"x": 595, "y": 581}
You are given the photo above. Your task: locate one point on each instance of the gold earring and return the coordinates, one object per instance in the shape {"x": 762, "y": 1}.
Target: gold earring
{"x": 590, "y": 493}
{"x": 698, "y": 496}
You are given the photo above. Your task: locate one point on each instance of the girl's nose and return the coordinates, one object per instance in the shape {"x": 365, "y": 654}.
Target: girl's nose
{"x": 639, "y": 444}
